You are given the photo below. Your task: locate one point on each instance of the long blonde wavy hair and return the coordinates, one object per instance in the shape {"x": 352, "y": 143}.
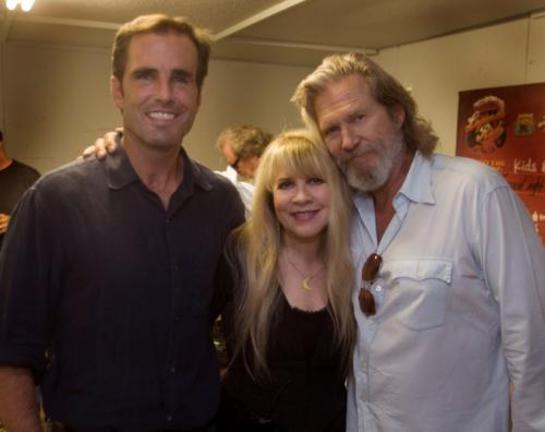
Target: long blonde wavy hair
{"x": 260, "y": 241}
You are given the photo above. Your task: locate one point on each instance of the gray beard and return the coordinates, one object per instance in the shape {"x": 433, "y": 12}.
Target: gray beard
{"x": 374, "y": 178}
{"x": 368, "y": 181}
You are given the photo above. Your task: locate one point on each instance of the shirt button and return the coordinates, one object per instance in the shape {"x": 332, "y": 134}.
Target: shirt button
{"x": 378, "y": 288}
{"x": 173, "y": 369}
{"x": 169, "y": 418}
{"x": 175, "y": 267}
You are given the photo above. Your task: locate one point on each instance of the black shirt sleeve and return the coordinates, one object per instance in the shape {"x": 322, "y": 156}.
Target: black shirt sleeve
{"x": 28, "y": 285}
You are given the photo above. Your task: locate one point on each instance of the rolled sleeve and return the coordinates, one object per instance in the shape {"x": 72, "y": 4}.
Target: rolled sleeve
{"x": 27, "y": 286}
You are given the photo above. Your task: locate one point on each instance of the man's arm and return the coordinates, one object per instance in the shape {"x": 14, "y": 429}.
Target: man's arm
{"x": 26, "y": 309}
{"x": 19, "y": 410}
{"x": 514, "y": 267}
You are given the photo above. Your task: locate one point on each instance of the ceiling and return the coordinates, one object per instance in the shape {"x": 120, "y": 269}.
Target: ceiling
{"x": 294, "y": 32}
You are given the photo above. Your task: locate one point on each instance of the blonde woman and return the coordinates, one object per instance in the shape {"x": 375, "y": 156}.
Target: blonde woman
{"x": 289, "y": 323}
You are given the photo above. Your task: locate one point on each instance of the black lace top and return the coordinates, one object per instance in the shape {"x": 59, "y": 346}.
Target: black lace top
{"x": 306, "y": 390}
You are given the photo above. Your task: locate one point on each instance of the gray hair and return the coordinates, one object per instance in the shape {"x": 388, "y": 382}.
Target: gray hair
{"x": 245, "y": 140}
{"x": 417, "y": 132}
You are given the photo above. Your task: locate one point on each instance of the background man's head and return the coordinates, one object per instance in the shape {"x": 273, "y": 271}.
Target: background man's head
{"x": 242, "y": 146}
{"x": 417, "y": 133}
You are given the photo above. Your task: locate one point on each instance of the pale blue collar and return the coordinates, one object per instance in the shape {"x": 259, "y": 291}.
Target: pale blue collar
{"x": 416, "y": 188}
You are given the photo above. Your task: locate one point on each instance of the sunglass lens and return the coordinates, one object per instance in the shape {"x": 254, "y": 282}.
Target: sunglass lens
{"x": 371, "y": 266}
{"x": 367, "y": 302}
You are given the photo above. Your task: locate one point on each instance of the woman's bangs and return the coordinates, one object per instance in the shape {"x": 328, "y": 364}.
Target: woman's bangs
{"x": 299, "y": 159}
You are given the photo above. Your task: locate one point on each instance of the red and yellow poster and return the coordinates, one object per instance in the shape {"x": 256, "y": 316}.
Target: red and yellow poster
{"x": 504, "y": 127}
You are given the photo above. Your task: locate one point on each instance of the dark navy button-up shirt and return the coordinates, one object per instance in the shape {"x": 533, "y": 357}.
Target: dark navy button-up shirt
{"x": 106, "y": 295}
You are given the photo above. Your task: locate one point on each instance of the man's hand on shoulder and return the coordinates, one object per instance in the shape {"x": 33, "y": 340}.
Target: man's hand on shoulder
{"x": 104, "y": 145}
{"x": 4, "y": 221}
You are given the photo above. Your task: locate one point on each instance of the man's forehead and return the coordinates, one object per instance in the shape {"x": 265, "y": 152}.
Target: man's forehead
{"x": 151, "y": 45}
{"x": 339, "y": 96}
{"x": 159, "y": 35}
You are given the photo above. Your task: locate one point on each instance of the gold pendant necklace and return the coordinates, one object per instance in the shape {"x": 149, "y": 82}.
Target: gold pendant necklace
{"x": 305, "y": 283}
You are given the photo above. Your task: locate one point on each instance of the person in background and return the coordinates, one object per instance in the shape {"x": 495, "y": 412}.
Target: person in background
{"x": 107, "y": 281}
{"x": 15, "y": 179}
{"x": 451, "y": 302}
{"x": 288, "y": 320}
{"x": 242, "y": 147}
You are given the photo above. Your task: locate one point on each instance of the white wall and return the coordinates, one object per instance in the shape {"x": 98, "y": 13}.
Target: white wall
{"x": 436, "y": 70}
{"x": 236, "y": 93}
{"x": 1, "y": 85}
{"x": 535, "y": 71}
{"x": 56, "y": 100}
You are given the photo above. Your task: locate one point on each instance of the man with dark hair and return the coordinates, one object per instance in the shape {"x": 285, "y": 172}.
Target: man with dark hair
{"x": 450, "y": 302}
{"x": 106, "y": 283}
{"x": 15, "y": 179}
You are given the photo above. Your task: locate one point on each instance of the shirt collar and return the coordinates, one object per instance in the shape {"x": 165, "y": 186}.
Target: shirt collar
{"x": 417, "y": 186}
{"x": 230, "y": 173}
{"x": 200, "y": 176}
{"x": 121, "y": 173}
{"x": 119, "y": 169}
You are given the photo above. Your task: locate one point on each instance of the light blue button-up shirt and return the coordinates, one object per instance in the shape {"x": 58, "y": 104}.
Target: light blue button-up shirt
{"x": 460, "y": 307}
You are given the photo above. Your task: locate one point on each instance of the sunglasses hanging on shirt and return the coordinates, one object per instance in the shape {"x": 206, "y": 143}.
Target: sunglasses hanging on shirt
{"x": 368, "y": 275}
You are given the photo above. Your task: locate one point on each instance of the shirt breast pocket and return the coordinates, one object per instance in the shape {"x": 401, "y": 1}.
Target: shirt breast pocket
{"x": 421, "y": 287}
